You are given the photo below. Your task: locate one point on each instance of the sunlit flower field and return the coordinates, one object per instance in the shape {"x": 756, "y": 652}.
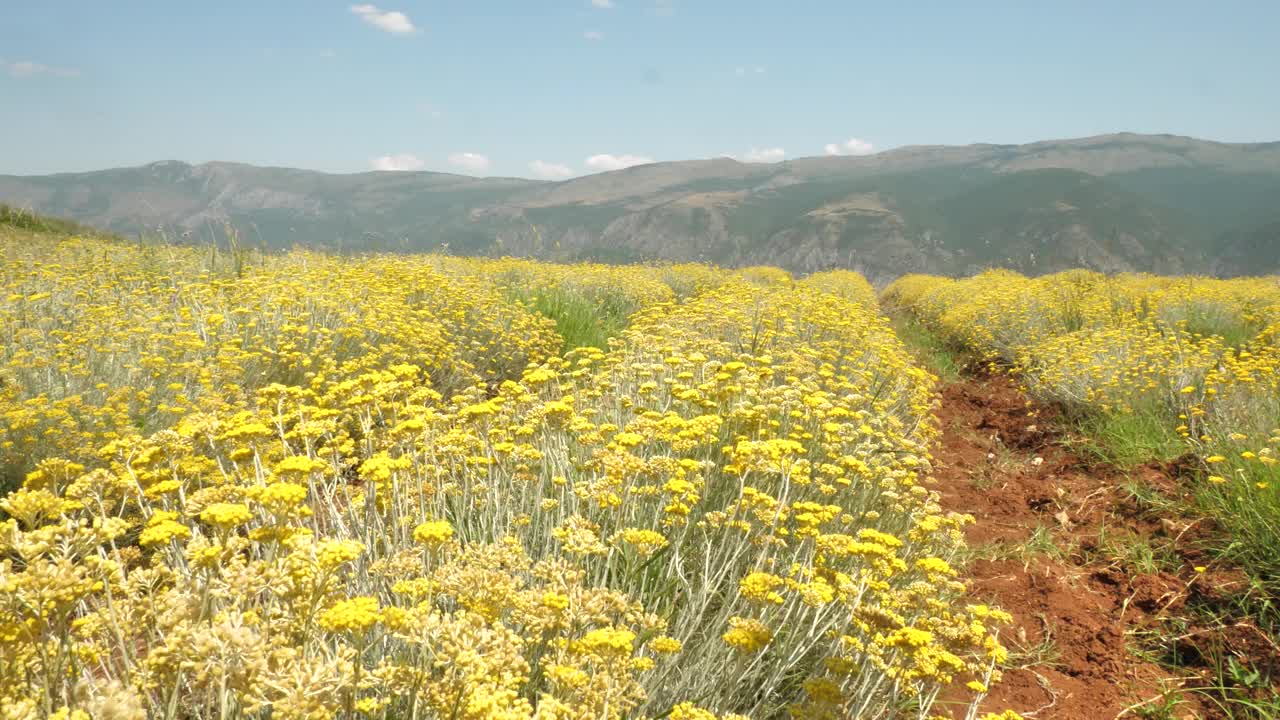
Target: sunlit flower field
{"x": 1193, "y": 359}
{"x": 307, "y": 486}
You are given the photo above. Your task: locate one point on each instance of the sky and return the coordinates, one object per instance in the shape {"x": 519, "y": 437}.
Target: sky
{"x": 559, "y": 88}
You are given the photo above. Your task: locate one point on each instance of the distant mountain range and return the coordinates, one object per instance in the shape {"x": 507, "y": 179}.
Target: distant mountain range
{"x": 1116, "y": 202}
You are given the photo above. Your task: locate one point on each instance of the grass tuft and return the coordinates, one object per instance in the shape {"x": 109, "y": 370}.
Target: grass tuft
{"x": 934, "y": 354}
{"x": 579, "y": 321}
{"x": 1128, "y": 439}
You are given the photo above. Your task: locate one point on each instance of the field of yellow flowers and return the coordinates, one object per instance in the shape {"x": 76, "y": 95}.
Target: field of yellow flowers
{"x": 305, "y": 486}
{"x": 1171, "y": 365}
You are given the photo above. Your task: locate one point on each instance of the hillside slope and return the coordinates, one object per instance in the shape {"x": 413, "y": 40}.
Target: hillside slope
{"x": 1115, "y": 202}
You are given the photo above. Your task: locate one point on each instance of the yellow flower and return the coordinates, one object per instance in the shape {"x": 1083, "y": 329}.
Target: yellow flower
{"x": 355, "y": 615}
{"x": 628, "y": 439}
{"x": 567, "y": 676}
{"x": 608, "y": 641}
{"x": 380, "y": 467}
{"x": 645, "y": 542}
{"x": 747, "y": 635}
{"x": 909, "y": 637}
{"x": 332, "y": 553}
{"x": 372, "y": 706}
{"x": 555, "y": 601}
{"x": 935, "y": 566}
{"x": 579, "y": 537}
{"x": 32, "y": 506}
{"x": 665, "y": 645}
{"x": 279, "y": 497}
{"x": 298, "y": 465}
{"x": 226, "y": 514}
{"x": 761, "y": 587}
{"x": 689, "y": 711}
{"x": 161, "y": 528}
{"x": 433, "y": 533}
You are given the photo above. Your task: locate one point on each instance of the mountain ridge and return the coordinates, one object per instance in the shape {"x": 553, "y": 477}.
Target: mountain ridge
{"x": 1115, "y": 202}
{"x": 1086, "y": 141}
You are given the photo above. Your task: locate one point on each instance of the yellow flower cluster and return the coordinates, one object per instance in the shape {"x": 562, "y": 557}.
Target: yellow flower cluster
{"x": 329, "y": 487}
{"x": 435, "y": 532}
{"x": 1122, "y": 342}
{"x": 107, "y": 342}
{"x": 845, "y": 283}
{"x": 589, "y": 302}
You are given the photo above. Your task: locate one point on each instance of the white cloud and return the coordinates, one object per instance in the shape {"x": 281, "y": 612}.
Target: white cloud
{"x": 664, "y": 8}
{"x": 852, "y": 146}
{"x": 389, "y": 20}
{"x": 743, "y": 70}
{"x": 602, "y": 4}
{"x": 549, "y": 171}
{"x": 765, "y": 155}
{"x": 606, "y": 161}
{"x": 593, "y": 35}
{"x": 26, "y": 69}
{"x": 401, "y": 162}
{"x": 474, "y": 162}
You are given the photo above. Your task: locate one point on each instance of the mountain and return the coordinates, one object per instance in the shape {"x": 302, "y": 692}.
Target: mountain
{"x": 1248, "y": 251}
{"x": 1157, "y": 203}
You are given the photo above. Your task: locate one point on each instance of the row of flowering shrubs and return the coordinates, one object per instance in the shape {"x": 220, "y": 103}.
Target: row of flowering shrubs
{"x": 374, "y": 487}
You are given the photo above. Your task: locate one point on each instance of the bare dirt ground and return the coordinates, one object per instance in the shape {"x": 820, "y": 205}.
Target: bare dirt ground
{"x": 1049, "y": 546}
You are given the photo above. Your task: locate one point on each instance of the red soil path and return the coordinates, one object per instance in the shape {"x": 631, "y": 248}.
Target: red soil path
{"x": 1087, "y": 605}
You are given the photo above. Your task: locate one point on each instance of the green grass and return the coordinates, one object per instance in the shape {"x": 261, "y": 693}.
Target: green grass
{"x": 1136, "y": 553}
{"x": 1247, "y": 510}
{"x": 580, "y": 321}
{"x": 27, "y": 220}
{"x": 1195, "y": 639}
{"x": 1235, "y": 331}
{"x": 1026, "y": 655}
{"x": 1041, "y": 543}
{"x": 1236, "y": 688}
{"x": 928, "y": 349}
{"x": 1164, "y": 706}
{"x": 1129, "y": 439}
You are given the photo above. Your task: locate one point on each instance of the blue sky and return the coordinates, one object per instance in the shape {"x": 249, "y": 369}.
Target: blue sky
{"x": 553, "y": 88}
